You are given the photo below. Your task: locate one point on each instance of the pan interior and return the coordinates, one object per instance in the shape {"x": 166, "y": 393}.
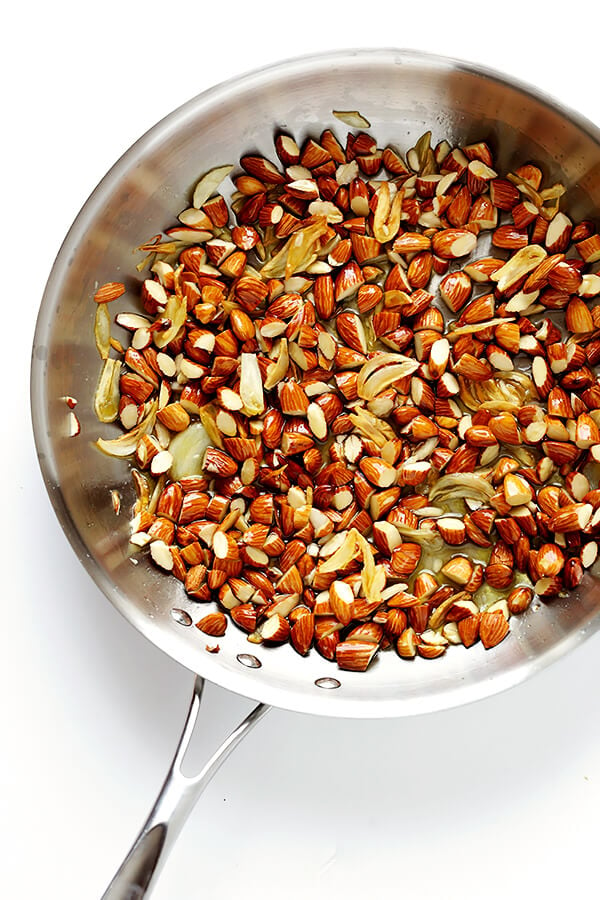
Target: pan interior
{"x": 402, "y": 94}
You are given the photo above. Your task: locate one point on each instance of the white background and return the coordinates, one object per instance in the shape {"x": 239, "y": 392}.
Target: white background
{"x": 493, "y": 800}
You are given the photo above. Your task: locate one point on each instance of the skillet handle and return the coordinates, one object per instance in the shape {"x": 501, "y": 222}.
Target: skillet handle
{"x": 140, "y": 868}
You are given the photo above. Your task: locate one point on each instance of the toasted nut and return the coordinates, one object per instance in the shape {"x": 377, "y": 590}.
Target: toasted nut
{"x": 438, "y": 357}
{"x": 498, "y": 575}
{"x": 550, "y": 559}
{"x": 493, "y": 628}
{"x": 453, "y": 243}
{"x": 573, "y": 574}
{"x": 275, "y": 629}
{"x": 351, "y": 331}
{"x": 174, "y": 417}
{"x": 570, "y": 518}
{"x": 109, "y": 292}
{"x": 214, "y": 624}
{"x": 406, "y": 645}
{"x": 578, "y": 317}
{"x": 405, "y": 558}
{"x": 517, "y": 490}
{"x": 452, "y": 530}
{"x": 587, "y": 433}
{"x": 589, "y": 554}
{"x": 378, "y": 472}
{"x": 468, "y": 629}
{"x": 355, "y": 656}
{"x": 458, "y": 569}
{"x": 341, "y": 599}
{"x": 302, "y": 632}
{"x": 548, "y": 586}
{"x": 429, "y": 651}
{"x": 519, "y": 600}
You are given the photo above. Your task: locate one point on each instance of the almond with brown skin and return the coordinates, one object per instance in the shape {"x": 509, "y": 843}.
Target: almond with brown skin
{"x": 519, "y": 600}
{"x": 341, "y": 599}
{"x": 406, "y": 558}
{"x": 468, "y": 629}
{"x": 275, "y": 629}
{"x": 305, "y": 452}
{"x": 578, "y": 317}
{"x": 170, "y": 501}
{"x": 406, "y": 645}
{"x": 110, "y": 291}
{"x": 217, "y": 462}
{"x": 378, "y": 472}
{"x": 498, "y": 575}
{"x": 355, "y": 656}
{"x": 452, "y": 243}
{"x": 493, "y": 628}
{"x": 455, "y": 289}
{"x": 573, "y": 573}
{"x": 452, "y": 530}
{"x": 411, "y": 242}
{"x": 430, "y": 651}
{"x": 570, "y": 518}
{"x": 302, "y": 632}
{"x": 550, "y": 560}
{"x": 245, "y": 616}
{"x": 472, "y": 368}
{"x": 214, "y": 624}
{"x": 174, "y": 417}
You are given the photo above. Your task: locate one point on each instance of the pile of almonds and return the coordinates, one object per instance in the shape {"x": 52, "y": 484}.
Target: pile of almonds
{"x": 361, "y": 400}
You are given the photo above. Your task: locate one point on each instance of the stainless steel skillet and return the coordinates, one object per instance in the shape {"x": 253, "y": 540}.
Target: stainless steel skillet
{"x": 403, "y": 94}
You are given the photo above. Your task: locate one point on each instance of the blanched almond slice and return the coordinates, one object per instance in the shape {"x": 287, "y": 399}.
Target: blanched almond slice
{"x": 342, "y": 556}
